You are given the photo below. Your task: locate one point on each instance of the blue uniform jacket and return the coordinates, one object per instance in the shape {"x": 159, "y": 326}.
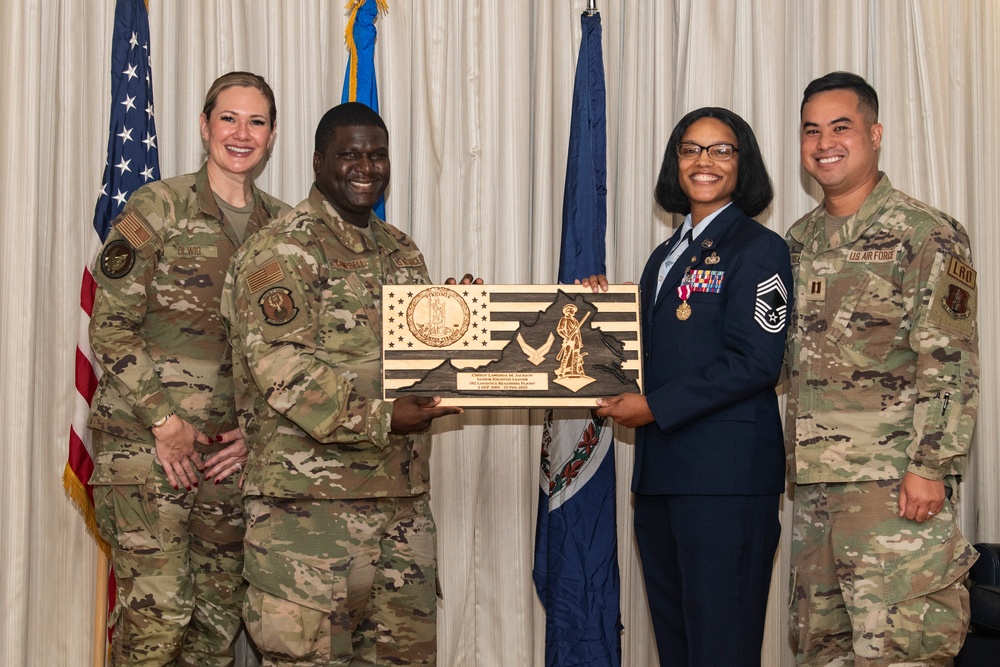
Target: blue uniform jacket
{"x": 710, "y": 380}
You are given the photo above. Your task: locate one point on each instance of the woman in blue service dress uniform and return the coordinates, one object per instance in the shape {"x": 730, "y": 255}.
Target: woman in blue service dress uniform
{"x": 709, "y": 456}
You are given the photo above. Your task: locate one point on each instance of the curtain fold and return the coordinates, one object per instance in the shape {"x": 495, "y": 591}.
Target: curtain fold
{"x": 477, "y": 99}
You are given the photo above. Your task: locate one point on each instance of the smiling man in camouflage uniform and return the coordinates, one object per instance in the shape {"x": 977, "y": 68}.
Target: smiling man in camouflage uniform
{"x": 340, "y": 543}
{"x": 883, "y": 368}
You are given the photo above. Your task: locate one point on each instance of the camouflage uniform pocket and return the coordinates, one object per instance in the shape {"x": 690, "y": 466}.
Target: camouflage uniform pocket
{"x": 126, "y": 516}
{"x": 282, "y": 628}
{"x": 870, "y": 318}
{"x": 927, "y": 604}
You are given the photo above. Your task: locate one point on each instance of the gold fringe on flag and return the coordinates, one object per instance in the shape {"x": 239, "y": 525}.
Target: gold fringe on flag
{"x": 78, "y": 494}
{"x": 352, "y": 8}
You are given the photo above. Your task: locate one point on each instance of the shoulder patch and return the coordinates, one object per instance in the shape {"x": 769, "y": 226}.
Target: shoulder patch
{"x": 266, "y": 276}
{"x": 961, "y": 271}
{"x": 134, "y": 229}
{"x": 117, "y": 259}
{"x": 954, "y": 301}
{"x": 278, "y": 306}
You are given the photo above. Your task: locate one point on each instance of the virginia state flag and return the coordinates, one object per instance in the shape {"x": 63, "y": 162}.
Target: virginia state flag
{"x": 359, "y": 79}
{"x": 576, "y": 542}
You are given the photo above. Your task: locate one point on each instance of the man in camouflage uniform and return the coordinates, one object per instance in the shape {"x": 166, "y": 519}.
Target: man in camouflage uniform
{"x": 340, "y": 543}
{"x": 883, "y": 368}
{"x": 156, "y": 331}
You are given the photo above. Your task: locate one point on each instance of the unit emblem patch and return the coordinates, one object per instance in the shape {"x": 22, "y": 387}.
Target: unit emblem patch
{"x": 117, "y": 259}
{"x": 277, "y": 306}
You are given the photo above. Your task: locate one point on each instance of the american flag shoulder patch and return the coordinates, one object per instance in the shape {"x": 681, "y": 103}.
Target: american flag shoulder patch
{"x": 134, "y": 229}
{"x": 267, "y": 275}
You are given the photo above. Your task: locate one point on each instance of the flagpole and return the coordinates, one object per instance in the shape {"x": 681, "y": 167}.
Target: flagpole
{"x": 101, "y": 610}
{"x": 591, "y": 7}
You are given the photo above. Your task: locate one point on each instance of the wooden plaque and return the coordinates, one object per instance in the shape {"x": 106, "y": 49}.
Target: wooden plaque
{"x": 510, "y": 345}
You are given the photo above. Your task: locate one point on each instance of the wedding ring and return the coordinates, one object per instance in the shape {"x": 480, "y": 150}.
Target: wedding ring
{"x": 930, "y": 513}
{"x": 239, "y": 466}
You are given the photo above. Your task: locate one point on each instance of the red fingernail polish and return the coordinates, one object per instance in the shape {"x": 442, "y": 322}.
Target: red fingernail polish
{"x": 218, "y": 438}
{"x": 176, "y": 488}
{"x": 216, "y": 481}
{"x": 188, "y": 488}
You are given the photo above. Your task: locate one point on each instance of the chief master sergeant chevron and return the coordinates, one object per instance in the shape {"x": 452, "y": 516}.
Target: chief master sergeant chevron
{"x": 884, "y": 374}
{"x": 340, "y": 544}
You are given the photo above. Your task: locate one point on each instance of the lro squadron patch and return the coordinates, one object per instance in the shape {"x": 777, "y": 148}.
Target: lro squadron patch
{"x": 954, "y": 301}
{"x": 277, "y": 306}
{"x": 117, "y": 259}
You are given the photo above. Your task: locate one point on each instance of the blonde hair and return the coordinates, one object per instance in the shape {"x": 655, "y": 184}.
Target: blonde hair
{"x": 245, "y": 80}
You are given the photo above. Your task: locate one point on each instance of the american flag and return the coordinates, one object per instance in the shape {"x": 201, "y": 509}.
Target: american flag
{"x": 132, "y": 161}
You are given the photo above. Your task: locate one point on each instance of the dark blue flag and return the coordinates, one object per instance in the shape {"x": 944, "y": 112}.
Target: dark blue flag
{"x": 585, "y": 197}
{"x": 576, "y": 542}
{"x": 359, "y": 79}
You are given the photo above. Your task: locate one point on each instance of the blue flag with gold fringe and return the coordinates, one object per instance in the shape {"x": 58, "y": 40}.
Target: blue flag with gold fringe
{"x": 359, "y": 79}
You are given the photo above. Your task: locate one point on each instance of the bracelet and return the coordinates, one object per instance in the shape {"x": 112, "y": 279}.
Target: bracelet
{"x": 162, "y": 420}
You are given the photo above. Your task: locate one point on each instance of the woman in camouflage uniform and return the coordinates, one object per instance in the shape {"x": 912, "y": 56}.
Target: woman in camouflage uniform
{"x": 168, "y": 449}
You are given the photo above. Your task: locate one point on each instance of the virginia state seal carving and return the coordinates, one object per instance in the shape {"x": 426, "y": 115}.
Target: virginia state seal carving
{"x": 437, "y": 317}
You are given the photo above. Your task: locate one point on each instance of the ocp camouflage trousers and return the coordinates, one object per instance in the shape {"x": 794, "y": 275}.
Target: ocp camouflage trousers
{"x": 341, "y": 582}
{"x": 178, "y": 562}
{"x": 871, "y": 589}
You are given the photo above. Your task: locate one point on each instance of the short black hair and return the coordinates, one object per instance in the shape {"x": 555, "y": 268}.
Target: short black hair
{"x": 754, "y": 191}
{"x": 867, "y": 97}
{"x": 348, "y": 114}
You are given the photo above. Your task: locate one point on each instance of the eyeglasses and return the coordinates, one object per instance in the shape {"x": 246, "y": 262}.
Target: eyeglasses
{"x": 687, "y": 150}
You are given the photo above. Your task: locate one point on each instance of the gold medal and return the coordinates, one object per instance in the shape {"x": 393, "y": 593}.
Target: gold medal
{"x": 683, "y": 311}
{"x": 684, "y": 291}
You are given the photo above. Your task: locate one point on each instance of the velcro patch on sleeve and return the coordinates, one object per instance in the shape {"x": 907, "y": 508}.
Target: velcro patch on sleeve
{"x": 135, "y": 230}
{"x": 264, "y": 277}
{"x": 117, "y": 259}
{"x": 277, "y": 300}
{"x": 961, "y": 272}
{"x": 954, "y": 301}
{"x": 277, "y": 305}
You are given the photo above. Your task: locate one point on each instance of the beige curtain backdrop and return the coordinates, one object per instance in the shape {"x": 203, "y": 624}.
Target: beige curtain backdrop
{"x": 476, "y": 95}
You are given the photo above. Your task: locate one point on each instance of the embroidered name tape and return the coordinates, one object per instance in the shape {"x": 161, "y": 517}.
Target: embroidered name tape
{"x": 403, "y": 262}
{"x": 874, "y": 256}
{"x": 350, "y": 265}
